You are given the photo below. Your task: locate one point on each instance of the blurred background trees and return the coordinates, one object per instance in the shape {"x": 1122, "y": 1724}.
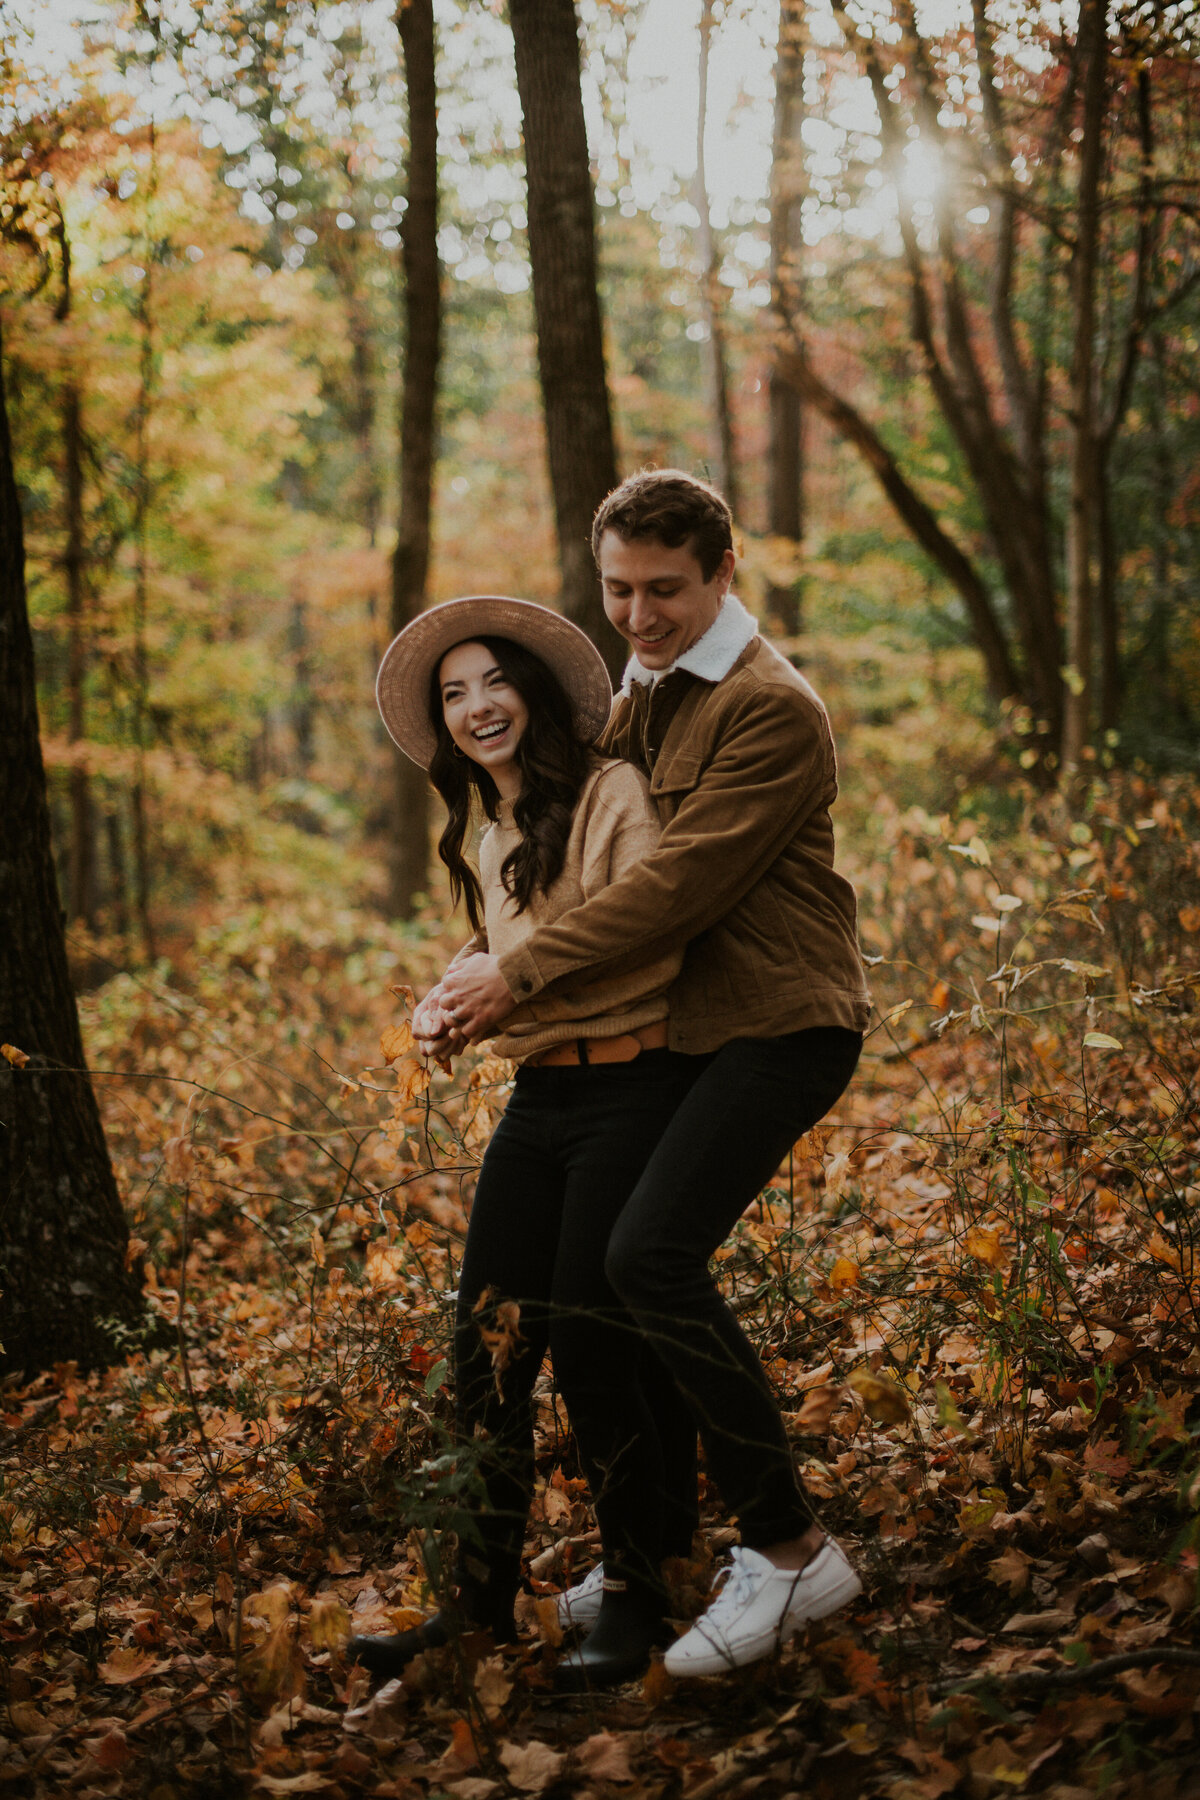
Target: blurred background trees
{"x": 296, "y": 342}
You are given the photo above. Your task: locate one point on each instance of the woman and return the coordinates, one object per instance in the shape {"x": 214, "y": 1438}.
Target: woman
{"x": 501, "y": 700}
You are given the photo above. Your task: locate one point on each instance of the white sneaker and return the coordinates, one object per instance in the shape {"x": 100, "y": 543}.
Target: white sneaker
{"x": 579, "y": 1607}
{"x": 760, "y": 1607}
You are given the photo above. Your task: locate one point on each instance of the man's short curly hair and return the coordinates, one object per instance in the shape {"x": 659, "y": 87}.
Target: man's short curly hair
{"x": 672, "y": 507}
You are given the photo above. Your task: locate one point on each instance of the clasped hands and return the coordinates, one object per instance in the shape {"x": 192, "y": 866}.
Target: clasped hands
{"x": 465, "y": 1005}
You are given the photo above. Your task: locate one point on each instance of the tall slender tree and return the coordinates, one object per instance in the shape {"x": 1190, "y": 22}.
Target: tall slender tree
{"x": 785, "y": 441}
{"x": 409, "y": 859}
{"x": 716, "y": 359}
{"x": 562, "y": 248}
{"x": 64, "y": 1285}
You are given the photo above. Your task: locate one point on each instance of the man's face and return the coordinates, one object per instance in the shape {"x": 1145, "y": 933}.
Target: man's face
{"x": 657, "y": 598}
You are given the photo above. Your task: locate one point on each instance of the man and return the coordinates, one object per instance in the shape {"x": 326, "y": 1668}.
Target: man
{"x": 770, "y": 1005}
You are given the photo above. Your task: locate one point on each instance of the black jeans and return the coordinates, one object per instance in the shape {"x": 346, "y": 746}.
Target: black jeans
{"x": 560, "y": 1167}
{"x": 603, "y": 1194}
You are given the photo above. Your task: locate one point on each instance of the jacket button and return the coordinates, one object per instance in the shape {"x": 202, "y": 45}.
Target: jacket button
{"x": 526, "y": 986}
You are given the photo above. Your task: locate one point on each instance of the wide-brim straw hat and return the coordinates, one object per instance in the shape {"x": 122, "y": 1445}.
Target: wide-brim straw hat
{"x": 406, "y": 673}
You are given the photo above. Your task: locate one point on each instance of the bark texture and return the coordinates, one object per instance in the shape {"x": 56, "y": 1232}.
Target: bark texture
{"x": 785, "y": 441}
{"x": 63, "y": 1235}
{"x": 408, "y": 871}
{"x": 562, "y": 248}
{"x": 714, "y": 348}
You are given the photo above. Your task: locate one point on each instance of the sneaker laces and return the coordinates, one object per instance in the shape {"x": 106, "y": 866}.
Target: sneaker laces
{"x": 736, "y": 1584}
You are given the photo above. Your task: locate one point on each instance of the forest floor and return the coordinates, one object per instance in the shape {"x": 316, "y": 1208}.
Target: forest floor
{"x": 975, "y": 1288}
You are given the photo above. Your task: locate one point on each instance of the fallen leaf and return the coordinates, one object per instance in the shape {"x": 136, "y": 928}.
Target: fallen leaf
{"x": 883, "y": 1398}
{"x": 531, "y": 1767}
{"x": 492, "y": 1686}
{"x": 1043, "y": 1624}
{"x": 986, "y": 1246}
{"x": 844, "y": 1274}
{"x": 126, "y": 1665}
{"x": 604, "y": 1757}
{"x": 11, "y": 1054}
{"x": 819, "y": 1407}
{"x": 327, "y": 1623}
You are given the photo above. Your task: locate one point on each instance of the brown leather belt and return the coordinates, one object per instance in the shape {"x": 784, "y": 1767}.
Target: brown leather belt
{"x": 600, "y": 1050}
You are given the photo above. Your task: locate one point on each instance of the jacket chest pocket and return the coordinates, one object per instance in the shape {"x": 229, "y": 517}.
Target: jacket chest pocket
{"x": 673, "y": 774}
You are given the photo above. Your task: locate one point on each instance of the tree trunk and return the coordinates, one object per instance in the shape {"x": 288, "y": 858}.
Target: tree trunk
{"x": 408, "y": 871}
{"x": 80, "y": 879}
{"x": 562, "y": 248}
{"x": 785, "y": 444}
{"x": 63, "y": 1236}
{"x": 716, "y": 362}
{"x": 1084, "y": 463}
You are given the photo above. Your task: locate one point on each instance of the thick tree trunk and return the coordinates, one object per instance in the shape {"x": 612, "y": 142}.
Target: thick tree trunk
{"x": 562, "y": 248}
{"x": 785, "y": 444}
{"x": 408, "y": 872}
{"x": 80, "y": 878}
{"x": 716, "y": 360}
{"x": 62, "y": 1232}
{"x": 1084, "y": 463}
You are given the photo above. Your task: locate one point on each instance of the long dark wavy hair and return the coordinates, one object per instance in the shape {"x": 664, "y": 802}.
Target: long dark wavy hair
{"x": 553, "y": 761}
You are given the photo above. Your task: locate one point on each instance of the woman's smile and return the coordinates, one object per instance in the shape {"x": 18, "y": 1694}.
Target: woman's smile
{"x": 485, "y": 715}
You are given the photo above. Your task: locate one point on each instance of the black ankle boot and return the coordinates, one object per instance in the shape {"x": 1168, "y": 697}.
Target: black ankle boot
{"x": 618, "y": 1646}
{"x": 387, "y": 1657}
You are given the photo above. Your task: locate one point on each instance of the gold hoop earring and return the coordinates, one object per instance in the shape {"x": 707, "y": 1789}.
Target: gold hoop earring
{"x": 461, "y": 754}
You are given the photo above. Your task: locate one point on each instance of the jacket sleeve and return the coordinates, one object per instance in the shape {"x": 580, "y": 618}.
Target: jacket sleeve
{"x": 772, "y": 767}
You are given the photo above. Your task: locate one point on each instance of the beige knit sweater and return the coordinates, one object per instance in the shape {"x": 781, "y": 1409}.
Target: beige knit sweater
{"x": 615, "y": 825}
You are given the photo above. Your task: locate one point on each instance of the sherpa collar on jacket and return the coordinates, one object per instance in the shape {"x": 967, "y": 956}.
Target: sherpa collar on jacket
{"x": 712, "y": 656}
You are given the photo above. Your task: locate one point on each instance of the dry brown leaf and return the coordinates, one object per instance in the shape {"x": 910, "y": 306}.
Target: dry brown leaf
{"x": 531, "y": 1767}
{"x": 1011, "y": 1570}
{"x": 604, "y": 1757}
{"x": 126, "y": 1665}
{"x": 12, "y": 1055}
{"x": 1043, "y": 1624}
{"x": 819, "y": 1407}
{"x": 492, "y": 1686}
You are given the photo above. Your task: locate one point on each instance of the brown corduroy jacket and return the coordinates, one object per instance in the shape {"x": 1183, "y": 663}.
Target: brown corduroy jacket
{"x": 743, "y": 773}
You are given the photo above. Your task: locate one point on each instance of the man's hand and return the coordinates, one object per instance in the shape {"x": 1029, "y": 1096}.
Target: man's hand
{"x": 475, "y": 996}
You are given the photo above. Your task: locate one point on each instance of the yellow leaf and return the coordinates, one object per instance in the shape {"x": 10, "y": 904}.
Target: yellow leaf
{"x": 328, "y": 1623}
{"x": 395, "y": 1041}
{"x": 843, "y": 1274}
{"x": 883, "y": 1398}
{"x": 1100, "y": 1040}
{"x": 11, "y": 1054}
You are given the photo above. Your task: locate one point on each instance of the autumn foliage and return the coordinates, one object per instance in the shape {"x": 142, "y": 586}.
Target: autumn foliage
{"x": 975, "y": 1288}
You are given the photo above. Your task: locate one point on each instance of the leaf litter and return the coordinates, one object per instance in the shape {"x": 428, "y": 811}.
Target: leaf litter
{"x": 975, "y": 1289}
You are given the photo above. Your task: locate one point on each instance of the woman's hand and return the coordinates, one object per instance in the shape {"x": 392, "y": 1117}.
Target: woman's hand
{"x": 436, "y": 1035}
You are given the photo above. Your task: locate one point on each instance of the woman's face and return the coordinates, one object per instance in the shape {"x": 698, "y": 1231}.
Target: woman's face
{"x": 484, "y": 714}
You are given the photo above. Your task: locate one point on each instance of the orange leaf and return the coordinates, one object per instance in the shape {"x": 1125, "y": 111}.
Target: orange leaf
{"x": 986, "y": 1245}
{"x": 844, "y": 1274}
{"x": 395, "y": 1041}
{"x": 412, "y": 1078}
{"x": 11, "y": 1054}
{"x": 126, "y": 1665}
